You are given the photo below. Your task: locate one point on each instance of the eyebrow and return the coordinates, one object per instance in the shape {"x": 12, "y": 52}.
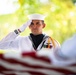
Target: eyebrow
{"x": 37, "y": 22}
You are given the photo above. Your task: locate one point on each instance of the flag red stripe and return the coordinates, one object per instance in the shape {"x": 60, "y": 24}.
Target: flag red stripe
{"x": 34, "y": 67}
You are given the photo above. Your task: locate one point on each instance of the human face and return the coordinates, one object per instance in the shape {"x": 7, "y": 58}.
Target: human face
{"x": 36, "y": 27}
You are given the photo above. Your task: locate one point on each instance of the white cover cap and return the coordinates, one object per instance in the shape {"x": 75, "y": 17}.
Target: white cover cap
{"x": 69, "y": 47}
{"x": 36, "y": 17}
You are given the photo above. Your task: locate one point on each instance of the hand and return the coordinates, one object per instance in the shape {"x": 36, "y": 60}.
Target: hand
{"x": 22, "y": 28}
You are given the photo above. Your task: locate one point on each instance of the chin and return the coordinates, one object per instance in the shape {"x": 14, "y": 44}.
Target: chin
{"x": 36, "y": 33}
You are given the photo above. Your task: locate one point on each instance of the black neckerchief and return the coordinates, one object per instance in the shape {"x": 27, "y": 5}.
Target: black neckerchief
{"x": 36, "y": 39}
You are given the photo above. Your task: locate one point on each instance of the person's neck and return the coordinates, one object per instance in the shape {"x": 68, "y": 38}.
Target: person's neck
{"x": 36, "y": 34}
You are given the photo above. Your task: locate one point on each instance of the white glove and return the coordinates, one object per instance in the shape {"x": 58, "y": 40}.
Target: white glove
{"x": 22, "y": 28}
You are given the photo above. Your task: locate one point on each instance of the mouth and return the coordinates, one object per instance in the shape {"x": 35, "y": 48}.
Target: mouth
{"x": 34, "y": 29}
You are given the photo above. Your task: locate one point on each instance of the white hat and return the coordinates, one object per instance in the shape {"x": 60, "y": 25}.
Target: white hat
{"x": 36, "y": 17}
{"x": 69, "y": 47}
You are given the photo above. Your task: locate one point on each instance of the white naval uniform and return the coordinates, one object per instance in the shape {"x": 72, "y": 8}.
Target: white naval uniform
{"x": 14, "y": 41}
{"x": 68, "y": 47}
{"x": 67, "y": 54}
{"x": 64, "y": 56}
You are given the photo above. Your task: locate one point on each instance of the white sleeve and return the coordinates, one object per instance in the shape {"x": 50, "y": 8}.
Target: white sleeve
{"x": 6, "y": 43}
{"x": 57, "y": 45}
{"x": 68, "y": 47}
{"x": 67, "y": 54}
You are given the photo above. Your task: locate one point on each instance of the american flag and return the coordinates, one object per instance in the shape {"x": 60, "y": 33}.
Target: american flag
{"x": 31, "y": 63}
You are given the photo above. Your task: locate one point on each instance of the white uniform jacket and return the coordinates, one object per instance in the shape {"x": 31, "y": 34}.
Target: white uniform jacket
{"x": 14, "y": 41}
{"x": 25, "y": 44}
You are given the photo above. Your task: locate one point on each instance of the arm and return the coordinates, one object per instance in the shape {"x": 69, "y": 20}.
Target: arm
{"x": 57, "y": 45}
{"x": 11, "y": 40}
{"x": 66, "y": 55}
{"x": 5, "y": 42}
{"x": 68, "y": 47}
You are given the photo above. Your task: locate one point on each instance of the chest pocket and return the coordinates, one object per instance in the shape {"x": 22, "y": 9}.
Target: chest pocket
{"x": 49, "y": 43}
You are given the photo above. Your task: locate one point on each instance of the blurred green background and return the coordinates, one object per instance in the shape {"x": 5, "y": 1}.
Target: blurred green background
{"x": 60, "y": 16}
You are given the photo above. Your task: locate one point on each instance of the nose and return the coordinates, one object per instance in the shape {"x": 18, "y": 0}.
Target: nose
{"x": 34, "y": 26}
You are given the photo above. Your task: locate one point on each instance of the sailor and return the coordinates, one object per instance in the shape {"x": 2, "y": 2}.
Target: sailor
{"x": 35, "y": 41}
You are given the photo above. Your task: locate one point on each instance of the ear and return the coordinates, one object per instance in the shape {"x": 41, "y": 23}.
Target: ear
{"x": 44, "y": 25}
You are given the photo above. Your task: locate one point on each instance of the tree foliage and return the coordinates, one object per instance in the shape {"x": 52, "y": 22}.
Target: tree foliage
{"x": 60, "y": 17}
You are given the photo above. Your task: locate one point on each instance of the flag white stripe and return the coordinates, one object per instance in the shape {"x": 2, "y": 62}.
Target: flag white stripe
{"x": 29, "y": 65}
{"x": 20, "y": 68}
